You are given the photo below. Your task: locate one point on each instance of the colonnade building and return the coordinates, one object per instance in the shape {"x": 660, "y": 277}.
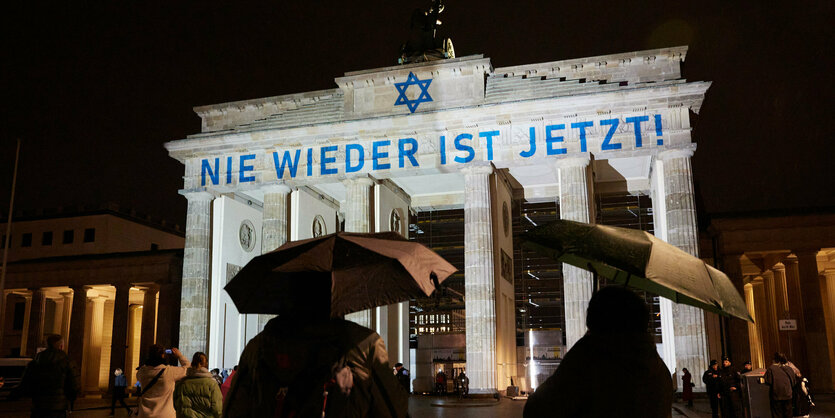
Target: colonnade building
{"x": 106, "y": 280}
{"x": 448, "y": 134}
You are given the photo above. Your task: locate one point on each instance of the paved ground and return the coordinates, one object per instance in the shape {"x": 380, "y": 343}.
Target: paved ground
{"x": 825, "y": 408}
{"x": 419, "y": 407}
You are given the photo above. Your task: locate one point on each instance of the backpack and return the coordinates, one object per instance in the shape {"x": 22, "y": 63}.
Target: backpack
{"x": 312, "y": 382}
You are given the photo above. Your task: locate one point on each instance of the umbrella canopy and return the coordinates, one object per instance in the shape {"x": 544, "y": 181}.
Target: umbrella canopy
{"x": 358, "y": 271}
{"x": 640, "y": 260}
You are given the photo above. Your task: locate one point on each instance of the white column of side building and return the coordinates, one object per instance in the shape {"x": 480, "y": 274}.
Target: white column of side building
{"x": 194, "y": 299}
{"x": 358, "y": 219}
{"x": 275, "y": 233}
{"x": 479, "y": 285}
{"x": 577, "y": 283}
{"x": 674, "y": 209}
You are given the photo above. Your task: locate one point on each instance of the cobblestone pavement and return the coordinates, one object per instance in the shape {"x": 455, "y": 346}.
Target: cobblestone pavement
{"x": 419, "y": 407}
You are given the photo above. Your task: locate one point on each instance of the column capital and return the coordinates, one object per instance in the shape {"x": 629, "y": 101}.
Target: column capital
{"x": 799, "y": 252}
{"x": 571, "y": 162}
{"x": 122, "y": 286}
{"x": 276, "y": 188}
{"x": 197, "y": 195}
{"x": 779, "y": 267}
{"x": 364, "y": 180}
{"x": 829, "y": 273}
{"x": 478, "y": 169}
{"x": 684, "y": 152}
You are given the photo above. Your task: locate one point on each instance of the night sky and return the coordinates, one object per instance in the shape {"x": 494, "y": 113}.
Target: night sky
{"x": 94, "y": 91}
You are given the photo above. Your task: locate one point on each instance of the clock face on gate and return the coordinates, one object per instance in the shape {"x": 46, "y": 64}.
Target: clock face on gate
{"x": 246, "y": 235}
{"x": 319, "y": 227}
{"x": 395, "y": 221}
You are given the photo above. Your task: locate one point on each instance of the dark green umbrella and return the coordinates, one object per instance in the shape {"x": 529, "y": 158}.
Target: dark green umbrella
{"x": 640, "y": 260}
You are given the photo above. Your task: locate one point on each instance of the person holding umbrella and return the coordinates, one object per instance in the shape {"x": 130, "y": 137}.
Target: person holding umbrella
{"x": 309, "y": 361}
{"x": 283, "y": 370}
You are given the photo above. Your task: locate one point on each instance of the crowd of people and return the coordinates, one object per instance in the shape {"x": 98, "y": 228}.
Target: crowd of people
{"x": 306, "y": 364}
{"x": 788, "y": 389}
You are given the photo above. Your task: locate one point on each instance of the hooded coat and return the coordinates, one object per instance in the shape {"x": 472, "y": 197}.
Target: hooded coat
{"x": 606, "y": 375}
{"x": 375, "y": 391}
{"x": 198, "y": 395}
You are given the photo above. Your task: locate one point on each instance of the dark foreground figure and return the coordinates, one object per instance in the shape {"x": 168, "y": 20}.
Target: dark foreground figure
{"x": 613, "y": 371}
{"x": 305, "y": 364}
{"x": 51, "y": 380}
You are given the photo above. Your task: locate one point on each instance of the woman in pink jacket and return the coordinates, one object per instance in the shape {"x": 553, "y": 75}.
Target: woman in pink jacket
{"x": 158, "y": 379}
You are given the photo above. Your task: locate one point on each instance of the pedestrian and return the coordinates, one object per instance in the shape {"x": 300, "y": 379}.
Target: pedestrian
{"x": 402, "y": 375}
{"x": 198, "y": 394}
{"x": 713, "y": 386}
{"x": 616, "y": 346}
{"x": 801, "y": 399}
{"x": 158, "y": 379}
{"x": 120, "y": 384}
{"x": 51, "y": 380}
{"x": 227, "y": 383}
{"x": 781, "y": 379}
{"x": 463, "y": 384}
{"x": 729, "y": 389}
{"x": 687, "y": 387}
{"x": 283, "y": 369}
{"x": 746, "y": 367}
{"x": 217, "y": 377}
{"x": 440, "y": 383}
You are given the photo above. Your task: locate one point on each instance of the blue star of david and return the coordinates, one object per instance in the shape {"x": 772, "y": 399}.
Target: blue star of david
{"x": 413, "y": 81}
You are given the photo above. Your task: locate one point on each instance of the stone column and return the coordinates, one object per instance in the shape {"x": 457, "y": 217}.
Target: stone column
{"x": 149, "y": 319}
{"x": 828, "y": 287}
{"x": 755, "y": 346}
{"x": 479, "y": 284}
{"x": 65, "y": 316}
{"x": 577, "y": 283}
{"x": 781, "y": 307}
{"x": 194, "y": 299}
{"x": 57, "y": 315}
{"x": 817, "y": 344}
{"x": 119, "y": 337}
{"x": 36, "y": 322}
{"x": 358, "y": 219}
{"x": 93, "y": 364}
{"x": 27, "y": 316}
{"x": 78, "y": 319}
{"x": 760, "y": 307}
{"x": 681, "y": 230}
{"x": 795, "y": 297}
{"x": 770, "y": 320}
{"x": 737, "y": 333}
{"x": 275, "y": 231}
{"x": 134, "y": 337}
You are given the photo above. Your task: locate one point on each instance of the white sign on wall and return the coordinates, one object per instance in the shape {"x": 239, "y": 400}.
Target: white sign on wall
{"x": 788, "y": 324}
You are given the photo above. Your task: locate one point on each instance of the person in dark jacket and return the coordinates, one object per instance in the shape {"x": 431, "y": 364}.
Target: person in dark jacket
{"x": 713, "y": 386}
{"x": 120, "y": 384}
{"x": 303, "y": 345}
{"x": 687, "y": 387}
{"x": 781, "y": 379}
{"x": 729, "y": 389}
{"x": 402, "y": 374}
{"x": 617, "y": 346}
{"x": 51, "y": 380}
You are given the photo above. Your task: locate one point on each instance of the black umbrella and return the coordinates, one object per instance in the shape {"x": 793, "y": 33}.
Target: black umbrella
{"x": 640, "y": 260}
{"x": 359, "y": 271}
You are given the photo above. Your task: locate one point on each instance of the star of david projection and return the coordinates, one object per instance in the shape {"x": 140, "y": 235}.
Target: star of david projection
{"x": 413, "y": 81}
